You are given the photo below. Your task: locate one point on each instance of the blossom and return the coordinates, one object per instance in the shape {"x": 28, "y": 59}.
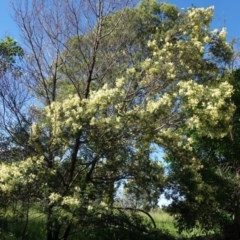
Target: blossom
{"x": 54, "y": 197}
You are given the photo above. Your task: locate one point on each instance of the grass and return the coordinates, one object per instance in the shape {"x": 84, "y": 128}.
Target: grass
{"x": 164, "y": 223}
{"x": 12, "y": 227}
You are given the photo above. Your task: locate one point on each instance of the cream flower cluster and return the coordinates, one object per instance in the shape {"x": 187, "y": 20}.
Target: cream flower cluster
{"x": 19, "y": 173}
{"x": 206, "y": 107}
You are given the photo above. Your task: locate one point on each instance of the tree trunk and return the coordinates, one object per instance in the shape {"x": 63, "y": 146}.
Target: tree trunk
{"x": 67, "y": 232}
{"x": 53, "y": 228}
{"x": 236, "y": 222}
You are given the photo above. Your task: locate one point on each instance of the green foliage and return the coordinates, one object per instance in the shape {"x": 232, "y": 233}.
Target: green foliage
{"x": 9, "y": 51}
{"x": 107, "y": 96}
{"x": 207, "y": 195}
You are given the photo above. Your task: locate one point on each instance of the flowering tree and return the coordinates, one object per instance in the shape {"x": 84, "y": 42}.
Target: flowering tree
{"x": 94, "y": 128}
{"x": 207, "y": 195}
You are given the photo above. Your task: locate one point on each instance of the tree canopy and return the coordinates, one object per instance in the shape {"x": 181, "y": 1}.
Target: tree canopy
{"x": 108, "y": 86}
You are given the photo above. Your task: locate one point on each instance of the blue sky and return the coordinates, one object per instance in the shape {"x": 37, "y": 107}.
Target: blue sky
{"x": 7, "y": 25}
{"x": 226, "y": 15}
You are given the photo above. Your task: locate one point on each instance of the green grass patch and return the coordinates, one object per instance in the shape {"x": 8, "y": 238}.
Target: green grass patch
{"x": 15, "y": 225}
{"x": 12, "y": 228}
{"x": 166, "y": 223}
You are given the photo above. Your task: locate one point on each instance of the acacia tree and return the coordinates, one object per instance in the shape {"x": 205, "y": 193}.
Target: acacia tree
{"x": 105, "y": 97}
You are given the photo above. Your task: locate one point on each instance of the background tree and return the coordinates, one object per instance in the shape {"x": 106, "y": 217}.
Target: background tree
{"x": 14, "y": 122}
{"x": 13, "y": 101}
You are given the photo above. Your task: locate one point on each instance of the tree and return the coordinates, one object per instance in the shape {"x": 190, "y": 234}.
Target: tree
{"x": 14, "y": 122}
{"x": 103, "y": 101}
{"x": 206, "y": 194}
{"x": 13, "y": 98}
